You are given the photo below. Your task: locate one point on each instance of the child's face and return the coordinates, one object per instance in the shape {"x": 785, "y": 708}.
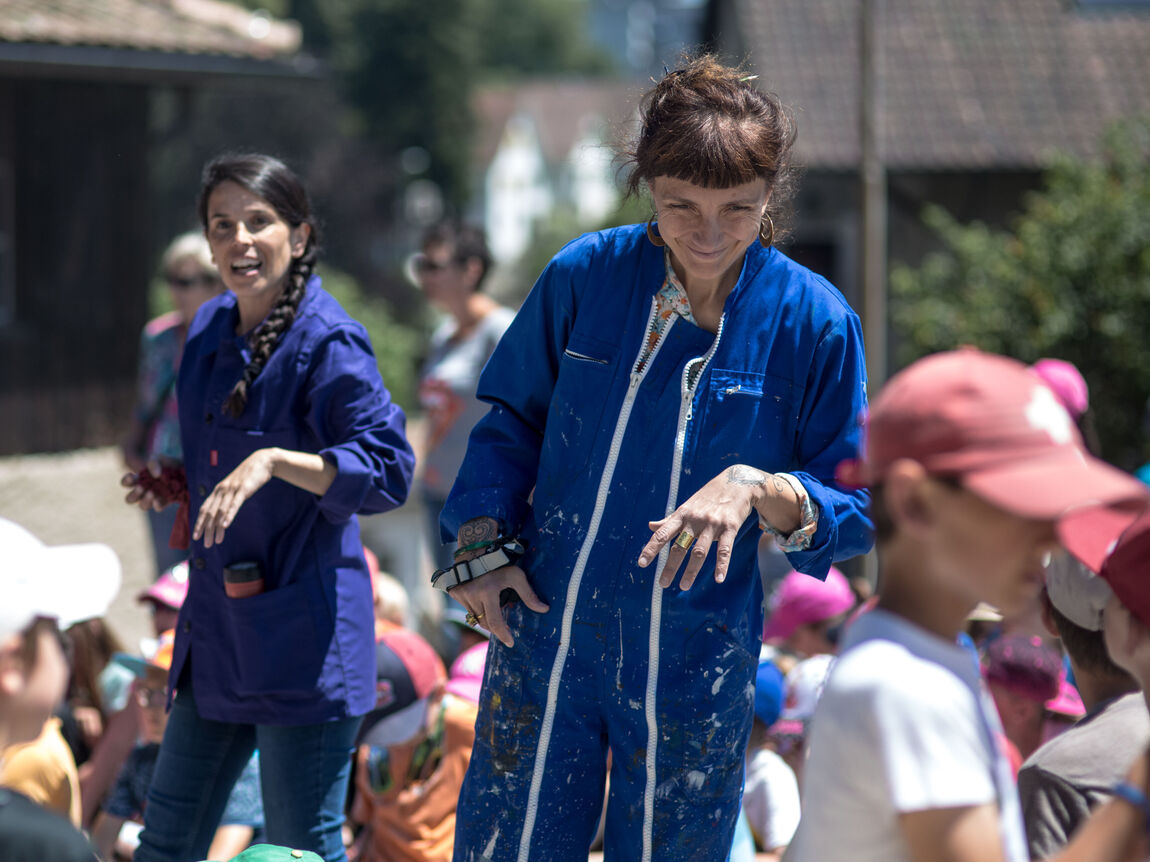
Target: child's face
{"x": 151, "y": 695}
{"x": 32, "y": 686}
{"x": 988, "y": 554}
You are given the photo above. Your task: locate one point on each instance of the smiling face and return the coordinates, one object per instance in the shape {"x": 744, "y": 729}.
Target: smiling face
{"x": 33, "y": 678}
{"x": 708, "y": 230}
{"x": 253, "y": 247}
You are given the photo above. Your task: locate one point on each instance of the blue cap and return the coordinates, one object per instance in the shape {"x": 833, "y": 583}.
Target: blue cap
{"x": 769, "y": 688}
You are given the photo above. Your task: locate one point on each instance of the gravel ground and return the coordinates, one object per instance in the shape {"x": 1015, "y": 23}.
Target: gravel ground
{"x": 76, "y": 497}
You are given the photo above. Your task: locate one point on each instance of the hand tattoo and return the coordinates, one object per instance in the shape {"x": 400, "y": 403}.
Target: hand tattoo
{"x": 741, "y": 474}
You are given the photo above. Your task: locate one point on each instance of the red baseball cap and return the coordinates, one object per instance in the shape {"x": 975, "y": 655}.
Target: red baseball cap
{"x": 989, "y": 422}
{"x": 1126, "y": 568}
{"x": 407, "y": 672}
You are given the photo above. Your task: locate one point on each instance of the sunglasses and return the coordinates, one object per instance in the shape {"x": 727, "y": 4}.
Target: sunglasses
{"x": 423, "y": 265}
{"x": 177, "y": 282}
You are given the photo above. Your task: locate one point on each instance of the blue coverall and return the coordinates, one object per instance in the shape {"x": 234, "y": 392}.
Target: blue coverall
{"x": 577, "y": 454}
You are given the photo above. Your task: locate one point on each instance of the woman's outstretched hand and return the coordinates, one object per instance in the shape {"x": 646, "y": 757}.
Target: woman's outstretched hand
{"x": 223, "y": 504}
{"x": 713, "y": 514}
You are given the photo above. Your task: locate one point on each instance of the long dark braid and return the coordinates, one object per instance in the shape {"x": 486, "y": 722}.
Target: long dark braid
{"x": 272, "y": 180}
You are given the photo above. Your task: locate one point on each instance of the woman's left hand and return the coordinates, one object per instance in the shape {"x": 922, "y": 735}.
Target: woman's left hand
{"x": 223, "y": 504}
{"x": 713, "y": 513}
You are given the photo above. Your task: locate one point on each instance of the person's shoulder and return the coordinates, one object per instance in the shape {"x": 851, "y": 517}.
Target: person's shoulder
{"x": 29, "y": 832}
{"x": 1105, "y": 742}
{"x": 603, "y": 245}
{"x": 800, "y": 285}
{"x": 214, "y": 315}
{"x": 321, "y": 316}
{"x": 499, "y": 319}
{"x": 885, "y": 677}
{"x": 166, "y": 325}
{"x": 768, "y": 766}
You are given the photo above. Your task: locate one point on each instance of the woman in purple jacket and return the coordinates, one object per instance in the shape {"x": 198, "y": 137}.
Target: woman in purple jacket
{"x": 288, "y": 432}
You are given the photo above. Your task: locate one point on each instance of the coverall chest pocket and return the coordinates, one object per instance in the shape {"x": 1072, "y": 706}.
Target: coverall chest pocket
{"x": 747, "y": 418}
{"x": 575, "y": 418}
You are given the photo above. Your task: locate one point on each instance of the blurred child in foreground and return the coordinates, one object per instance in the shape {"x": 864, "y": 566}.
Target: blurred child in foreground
{"x": 972, "y": 464}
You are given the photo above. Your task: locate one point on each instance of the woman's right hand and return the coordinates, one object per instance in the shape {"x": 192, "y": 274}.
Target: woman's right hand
{"x": 481, "y": 597}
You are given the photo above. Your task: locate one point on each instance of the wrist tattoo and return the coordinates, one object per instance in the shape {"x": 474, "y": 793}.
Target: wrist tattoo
{"x": 781, "y": 485}
{"x": 741, "y": 474}
{"x": 478, "y": 530}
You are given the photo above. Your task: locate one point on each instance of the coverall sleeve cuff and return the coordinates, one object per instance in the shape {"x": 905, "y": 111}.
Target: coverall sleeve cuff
{"x": 818, "y": 555}
{"x": 508, "y": 510}
{"x": 351, "y": 485}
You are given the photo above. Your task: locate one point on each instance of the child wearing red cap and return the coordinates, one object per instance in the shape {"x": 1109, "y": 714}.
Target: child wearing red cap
{"x": 972, "y": 463}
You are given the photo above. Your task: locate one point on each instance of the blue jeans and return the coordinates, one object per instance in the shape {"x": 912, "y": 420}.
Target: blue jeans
{"x": 304, "y": 773}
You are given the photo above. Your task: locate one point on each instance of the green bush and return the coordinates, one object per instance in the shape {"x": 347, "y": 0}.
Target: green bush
{"x": 1071, "y": 280}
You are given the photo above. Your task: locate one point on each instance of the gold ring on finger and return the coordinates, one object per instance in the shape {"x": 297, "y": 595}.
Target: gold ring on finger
{"x": 685, "y": 539}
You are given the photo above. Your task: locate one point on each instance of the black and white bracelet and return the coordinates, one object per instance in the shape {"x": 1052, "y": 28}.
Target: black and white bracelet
{"x": 504, "y": 553}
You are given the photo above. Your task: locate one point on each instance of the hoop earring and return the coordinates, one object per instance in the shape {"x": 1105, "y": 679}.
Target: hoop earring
{"x": 766, "y": 240}
{"x": 653, "y": 233}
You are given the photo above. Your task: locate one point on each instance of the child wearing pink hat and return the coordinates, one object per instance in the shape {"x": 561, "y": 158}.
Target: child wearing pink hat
{"x": 805, "y": 610}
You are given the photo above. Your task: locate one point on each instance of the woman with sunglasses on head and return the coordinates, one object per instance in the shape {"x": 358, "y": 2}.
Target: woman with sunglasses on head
{"x": 666, "y": 390}
{"x": 154, "y": 436}
{"x": 450, "y": 269}
{"x": 288, "y": 432}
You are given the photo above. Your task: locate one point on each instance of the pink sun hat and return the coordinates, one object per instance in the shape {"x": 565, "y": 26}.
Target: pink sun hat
{"x": 1068, "y": 701}
{"x": 802, "y": 599}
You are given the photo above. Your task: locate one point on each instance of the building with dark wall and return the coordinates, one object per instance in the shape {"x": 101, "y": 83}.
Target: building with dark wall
{"x": 976, "y": 96}
{"x": 77, "y": 238}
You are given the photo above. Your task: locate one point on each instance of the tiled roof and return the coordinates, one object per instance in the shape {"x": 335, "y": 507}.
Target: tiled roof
{"x": 967, "y": 83}
{"x": 558, "y": 108}
{"x": 176, "y": 26}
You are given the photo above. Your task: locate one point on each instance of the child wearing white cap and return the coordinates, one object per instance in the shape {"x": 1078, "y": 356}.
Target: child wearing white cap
{"x": 44, "y": 590}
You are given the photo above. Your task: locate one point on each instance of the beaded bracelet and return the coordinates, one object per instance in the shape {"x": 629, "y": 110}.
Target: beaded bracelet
{"x": 1128, "y": 792}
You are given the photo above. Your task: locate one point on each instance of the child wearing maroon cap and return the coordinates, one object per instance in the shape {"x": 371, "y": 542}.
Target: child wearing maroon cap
{"x": 1126, "y": 569}
{"x": 972, "y": 463}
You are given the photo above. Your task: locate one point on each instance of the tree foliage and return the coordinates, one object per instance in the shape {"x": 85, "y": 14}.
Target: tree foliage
{"x": 409, "y": 67}
{"x": 1071, "y": 279}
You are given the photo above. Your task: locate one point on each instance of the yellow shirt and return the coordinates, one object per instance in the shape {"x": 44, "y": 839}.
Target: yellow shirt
{"x": 45, "y": 771}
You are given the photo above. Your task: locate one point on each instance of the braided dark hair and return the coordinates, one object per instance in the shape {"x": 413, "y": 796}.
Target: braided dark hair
{"x": 272, "y": 180}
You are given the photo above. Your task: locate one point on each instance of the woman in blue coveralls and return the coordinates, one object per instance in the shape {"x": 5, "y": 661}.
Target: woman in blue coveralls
{"x": 288, "y": 432}
{"x": 665, "y": 391}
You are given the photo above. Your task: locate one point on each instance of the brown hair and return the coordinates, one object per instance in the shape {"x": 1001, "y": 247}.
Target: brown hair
{"x": 708, "y": 124}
